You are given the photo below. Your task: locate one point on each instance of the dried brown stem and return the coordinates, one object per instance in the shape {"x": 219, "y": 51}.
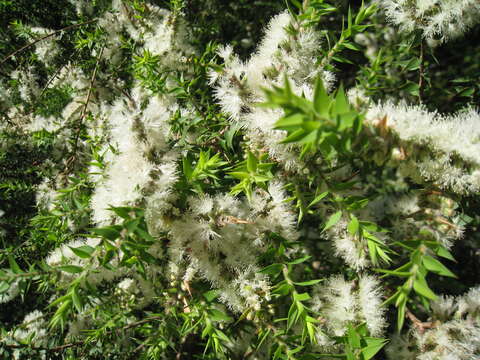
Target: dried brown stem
{"x": 420, "y": 325}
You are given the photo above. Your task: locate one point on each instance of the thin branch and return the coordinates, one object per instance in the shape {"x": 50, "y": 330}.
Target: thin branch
{"x": 421, "y": 72}
{"x": 43, "y": 38}
{"x": 420, "y": 325}
{"x": 71, "y": 160}
{"x": 45, "y": 88}
{"x": 77, "y": 343}
{"x": 39, "y": 348}
{"x": 140, "y": 322}
{"x": 24, "y": 274}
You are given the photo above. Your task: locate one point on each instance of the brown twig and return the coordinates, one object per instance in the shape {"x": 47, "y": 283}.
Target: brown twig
{"x": 43, "y": 38}
{"x": 55, "y": 74}
{"x": 39, "y": 348}
{"x": 442, "y": 220}
{"x": 350, "y": 177}
{"x": 140, "y": 322}
{"x": 420, "y": 325}
{"x": 78, "y": 343}
{"x": 421, "y": 72}
{"x": 72, "y": 158}
{"x": 233, "y": 220}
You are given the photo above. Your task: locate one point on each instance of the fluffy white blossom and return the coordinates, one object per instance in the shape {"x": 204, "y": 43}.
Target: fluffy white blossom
{"x": 438, "y": 19}
{"x": 11, "y": 293}
{"x": 438, "y": 148}
{"x": 240, "y": 86}
{"x": 342, "y": 302}
{"x": 35, "y": 326}
{"x": 352, "y": 249}
{"x": 454, "y": 332}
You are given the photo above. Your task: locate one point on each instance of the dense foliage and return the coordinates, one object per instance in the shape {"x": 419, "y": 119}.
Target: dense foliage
{"x": 239, "y": 179}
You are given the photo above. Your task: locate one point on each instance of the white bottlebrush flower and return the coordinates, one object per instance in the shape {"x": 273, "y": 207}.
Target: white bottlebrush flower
{"x": 438, "y": 19}
{"x": 64, "y": 253}
{"x": 239, "y": 87}
{"x": 357, "y": 97}
{"x": 452, "y": 143}
{"x": 275, "y": 33}
{"x": 126, "y": 177}
{"x": 220, "y": 238}
{"x": 444, "y": 307}
{"x": 370, "y": 304}
{"x": 27, "y": 83}
{"x": 340, "y": 303}
{"x": 400, "y": 348}
{"x": 337, "y": 304}
{"x": 127, "y": 173}
{"x": 155, "y": 121}
{"x": 454, "y": 333}
{"x": 47, "y": 50}
{"x": 127, "y": 285}
{"x": 35, "y": 326}
{"x": 469, "y": 304}
{"x": 45, "y": 196}
{"x": 230, "y": 98}
{"x": 12, "y": 292}
{"x": 201, "y": 205}
{"x": 225, "y": 52}
{"x": 73, "y": 108}
{"x": 169, "y": 39}
{"x": 351, "y": 249}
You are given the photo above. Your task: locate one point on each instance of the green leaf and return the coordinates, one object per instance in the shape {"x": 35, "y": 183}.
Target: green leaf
{"x": 467, "y": 92}
{"x": 282, "y": 289}
{"x": 272, "y": 269}
{"x": 353, "y": 225}
{"x": 341, "y": 102}
{"x": 239, "y": 175}
{"x": 73, "y": 269}
{"x": 374, "y": 345}
{"x": 83, "y": 252}
{"x": 252, "y": 162}
{"x": 436, "y": 267}
{"x": 263, "y": 337}
{"x": 353, "y": 337}
{"x": 321, "y": 100}
{"x": 299, "y": 260}
{"x": 401, "y": 313}
{"x": 217, "y": 315}
{"x": 211, "y": 295}
{"x": 332, "y": 220}
{"x": 77, "y": 300}
{"x": 123, "y": 212}
{"x": 318, "y": 199}
{"x": 295, "y": 136}
{"x": 412, "y": 88}
{"x": 108, "y": 232}
{"x": 311, "y": 332}
{"x": 441, "y": 251}
{"x": 309, "y": 282}
{"x": 13, "y": 265}
{"x": 421, "y": 287}
{"x": 290, "y": 123}
{"x": 395, "y": 272}
{"x": 352, "y": 46}
{"x": 4, "y": 286}
{"x": 373, "y": 252}
{"x": 131, "y": 224}
{"x": 301, "y": 297}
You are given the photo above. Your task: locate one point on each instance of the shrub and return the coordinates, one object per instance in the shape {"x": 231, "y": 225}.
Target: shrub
{"x": 178, "y": 184}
